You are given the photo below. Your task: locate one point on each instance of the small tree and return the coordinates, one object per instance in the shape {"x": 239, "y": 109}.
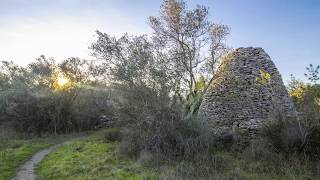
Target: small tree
{"x": 312, "y": 73}
{"x": 306, "y": 97}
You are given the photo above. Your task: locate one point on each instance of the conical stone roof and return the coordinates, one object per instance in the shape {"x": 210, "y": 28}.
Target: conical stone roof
{"x": 246, "y": 92}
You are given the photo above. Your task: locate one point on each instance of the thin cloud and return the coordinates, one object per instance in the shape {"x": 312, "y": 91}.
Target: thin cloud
{"x": 60, "y": 36}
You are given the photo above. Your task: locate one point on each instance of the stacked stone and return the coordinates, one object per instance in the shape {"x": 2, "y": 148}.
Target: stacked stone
{"x": 246, "y": 92}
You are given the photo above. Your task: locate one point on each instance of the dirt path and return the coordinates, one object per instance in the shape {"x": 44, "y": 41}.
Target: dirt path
{"x": 27, "y": 170}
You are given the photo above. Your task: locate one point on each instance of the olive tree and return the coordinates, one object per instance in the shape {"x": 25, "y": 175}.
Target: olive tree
{"x": 186, "y": 36}
{"x": 34, "y": 102}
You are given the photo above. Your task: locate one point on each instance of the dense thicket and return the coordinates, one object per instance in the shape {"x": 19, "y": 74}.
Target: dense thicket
{"x": 48, "y": 97}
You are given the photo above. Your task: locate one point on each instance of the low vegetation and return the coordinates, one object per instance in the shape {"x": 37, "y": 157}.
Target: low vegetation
{"x": 51, "y": 98}
{"x": 13, "y": 153}
{"x": 94, "y": 157}
{"x": 99, "y": 157}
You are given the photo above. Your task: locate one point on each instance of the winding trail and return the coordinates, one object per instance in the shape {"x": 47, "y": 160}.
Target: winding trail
{"x": 27, "y": 170}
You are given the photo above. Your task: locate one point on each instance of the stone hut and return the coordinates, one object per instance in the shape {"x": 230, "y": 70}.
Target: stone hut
{"x": 246, "y": 92}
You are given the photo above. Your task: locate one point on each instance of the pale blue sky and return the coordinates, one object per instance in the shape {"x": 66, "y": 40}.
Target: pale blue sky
{"x": 289, "y": 30}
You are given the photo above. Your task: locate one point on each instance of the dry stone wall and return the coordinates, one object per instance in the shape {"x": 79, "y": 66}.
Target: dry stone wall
{"x": 246, "y": 92}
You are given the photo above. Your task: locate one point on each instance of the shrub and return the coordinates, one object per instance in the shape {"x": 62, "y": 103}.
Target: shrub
{"x": 312, "y": 146}
{"x": 285, "y": 136}
{"x": 292, "y": 137}
{"x": 155, "y": 124}
{"x": 33, "y": 105}
{"x": 174, "y": 139}
{"x": 112, "y": 135}
{"x": 306, "y": 98}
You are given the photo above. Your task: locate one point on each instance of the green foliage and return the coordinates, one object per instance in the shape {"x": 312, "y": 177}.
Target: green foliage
{"x": 264, "y": 77}
{"x": 146, "y": 92}
{"x": 201, "y": 84}
{"x": 155, "y": 100}
{"x": 285, "y": 136}
{"x": 34, "y": 102}
{"x": 307, "y": 97}
{"x": 310, "y": 105}
{"x": 192, "y": 103}
{"x": 155, "y": 91}
{"x": 94, "y": 158}
{"x": 184, "y": 34}
{"x": 307, "y": 101}
{"x": 293, "y": 137}
{"x": 296, "y": 90}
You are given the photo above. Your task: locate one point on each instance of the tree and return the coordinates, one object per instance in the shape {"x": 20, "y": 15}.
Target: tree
{"x": 296, "y": 89}
{"x": 218, "y": 47}
{"x": 41, "y": 71}
{"x": 312, "y": 73}
{"x": 75, "y": 69}
{"x": 13, "y": 73}
{"x": 132, "y": 61}
{"x": 185, "y": 35}
{"x": 46, "y": 97}
{"x": 306, "y": 98}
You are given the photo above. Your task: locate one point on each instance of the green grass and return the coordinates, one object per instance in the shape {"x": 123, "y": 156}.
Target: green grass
{"x": 13, "y": 153}
{"x": 90, "y": 158}
{"x": 95, "y": 158}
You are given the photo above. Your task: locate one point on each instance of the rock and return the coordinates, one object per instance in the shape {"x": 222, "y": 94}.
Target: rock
{"x": 246, "y": 92}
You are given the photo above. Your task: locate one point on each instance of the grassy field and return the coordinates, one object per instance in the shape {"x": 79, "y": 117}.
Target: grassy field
{"x": 90, "y": 158}
{"x": 13, "y": 153}
{"x": 93, "y": 157}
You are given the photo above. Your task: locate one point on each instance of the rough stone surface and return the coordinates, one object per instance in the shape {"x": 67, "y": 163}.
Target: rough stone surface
{"x": 246, "y": 92}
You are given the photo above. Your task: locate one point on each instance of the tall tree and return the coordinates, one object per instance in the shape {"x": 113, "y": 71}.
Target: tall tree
{"x": 186, "y": 35}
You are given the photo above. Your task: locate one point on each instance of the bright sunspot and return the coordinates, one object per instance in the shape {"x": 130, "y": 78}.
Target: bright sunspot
{"x": 62, "y": 80}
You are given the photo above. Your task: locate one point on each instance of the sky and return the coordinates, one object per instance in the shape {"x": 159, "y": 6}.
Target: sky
{"x": 288, "y": 30}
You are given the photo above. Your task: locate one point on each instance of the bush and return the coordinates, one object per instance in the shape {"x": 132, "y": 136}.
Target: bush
{"x": 312, "y": 146}
{"x": 34, "y": 103}
{"x": 113, "y": 135}
{"x": 285, "y": 136}
{"x": 292, "y": 137}
{"x": 154, "y": 124}
{"x": 175, "y": 139}
{"x": 306, "y": 98}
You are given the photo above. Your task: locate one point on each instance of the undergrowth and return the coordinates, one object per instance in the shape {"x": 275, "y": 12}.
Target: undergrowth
{"x": 98, "y": 157}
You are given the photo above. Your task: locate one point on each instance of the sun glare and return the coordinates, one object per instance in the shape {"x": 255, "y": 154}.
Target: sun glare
{"x": 62, "y": 80}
